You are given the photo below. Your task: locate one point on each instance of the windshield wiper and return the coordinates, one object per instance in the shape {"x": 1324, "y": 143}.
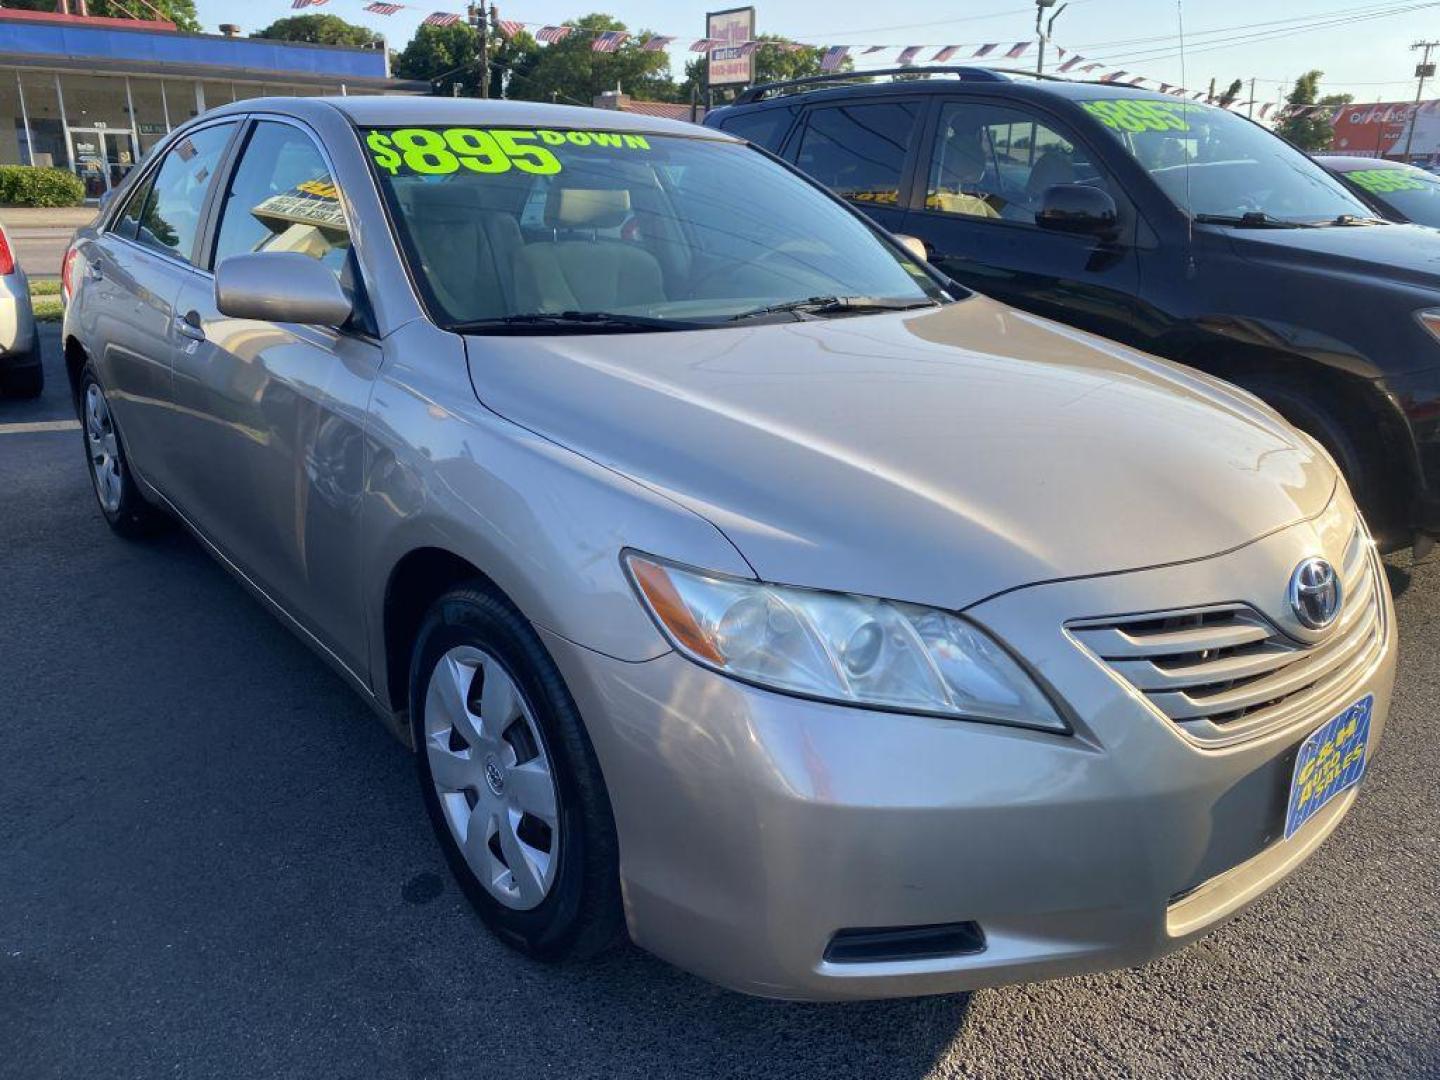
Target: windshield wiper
{"x": 1353, "y": 219}
{"x": 819, "y": 306}
{"x": 1251, "y": 219}
{"x": 573, "y": 321}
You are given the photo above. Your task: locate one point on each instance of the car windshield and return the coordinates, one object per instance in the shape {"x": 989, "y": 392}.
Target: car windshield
{"x": 1218, "y": 166}
{"x": 588, "y": 231}
{"x": 1414, "y": 192}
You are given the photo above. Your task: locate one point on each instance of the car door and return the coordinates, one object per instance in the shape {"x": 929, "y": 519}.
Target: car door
{"x": 274, "y": 413}
{"x": 989, "y": 165}
{"x": 862, "y": 150}
{"x": 134, "y": 271}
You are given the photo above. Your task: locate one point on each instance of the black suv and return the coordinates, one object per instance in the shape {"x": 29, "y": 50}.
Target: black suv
{"x": 1183, "y": 230}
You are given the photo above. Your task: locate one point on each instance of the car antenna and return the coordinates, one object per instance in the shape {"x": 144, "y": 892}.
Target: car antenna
{"x": 1189, "y": 202}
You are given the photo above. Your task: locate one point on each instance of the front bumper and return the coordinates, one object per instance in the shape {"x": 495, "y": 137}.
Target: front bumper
{"x": 754, "y": 827}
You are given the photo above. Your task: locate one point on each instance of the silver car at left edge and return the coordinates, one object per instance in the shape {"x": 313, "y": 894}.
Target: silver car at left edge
{"x": 740, "y": 583}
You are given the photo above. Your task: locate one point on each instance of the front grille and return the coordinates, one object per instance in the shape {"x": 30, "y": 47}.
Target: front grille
{"x": 1226, "y": 672}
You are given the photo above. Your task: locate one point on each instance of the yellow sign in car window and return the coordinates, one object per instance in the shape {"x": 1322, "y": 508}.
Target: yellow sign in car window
{"x": 1140, "y": 114}
{"x": 440, "y": 151}
{"x": 1381, "y": 181}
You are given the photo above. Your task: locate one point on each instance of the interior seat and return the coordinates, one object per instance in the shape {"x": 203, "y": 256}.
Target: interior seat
{"x": 580, "y": 270}
{"x": 471, "y": 254}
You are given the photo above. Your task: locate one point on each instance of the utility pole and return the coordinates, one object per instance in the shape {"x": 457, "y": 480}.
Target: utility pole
{"x": 1423, "y": 71}
{"x": 1043, "y": 30}
{"x": 480, "y": 21}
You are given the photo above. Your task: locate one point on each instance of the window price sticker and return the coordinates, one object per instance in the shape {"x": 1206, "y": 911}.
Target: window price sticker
{"x": 440, "y": 151}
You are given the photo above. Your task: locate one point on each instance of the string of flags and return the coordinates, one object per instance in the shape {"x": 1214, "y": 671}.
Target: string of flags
{"x": 833, "y": 58}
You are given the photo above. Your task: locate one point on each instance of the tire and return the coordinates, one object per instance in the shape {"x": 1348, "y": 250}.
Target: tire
{"x": 124, "y": 508}
{"x": 481, "y": 757}
{"x": 25, "y": 382}
{"x": 1355, "y": 449}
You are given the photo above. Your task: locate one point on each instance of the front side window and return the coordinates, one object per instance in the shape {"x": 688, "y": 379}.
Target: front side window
{"x": 997, "y": 163}
{"x": 858, "y": 151}
{"x": 1220, "y": 167}
{"x": 1414, "y": 192}
{"x": 283, "y": 198}
{"x": 501, "y": 224}
{"x": 171, "y": 216}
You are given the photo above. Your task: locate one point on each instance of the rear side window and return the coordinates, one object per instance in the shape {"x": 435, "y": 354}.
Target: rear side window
{"x": 171, "y": 217}
{"x": 858, "y": 151}
{"x": 763, "y": 127}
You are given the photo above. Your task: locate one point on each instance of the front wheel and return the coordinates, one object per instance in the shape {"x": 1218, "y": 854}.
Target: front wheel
{"x": 510, "y": 780}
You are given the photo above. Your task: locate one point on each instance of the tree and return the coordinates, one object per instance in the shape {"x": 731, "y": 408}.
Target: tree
{"x": 1310, "y": 129}
{"x": 571, "y": 71}
{"x": 445, "y": 56}
{"x": 180, "y": 12}
{"x": 772, "y": 64}
{"x": 1231, "y": 94}
{"x": 319, "y": 30}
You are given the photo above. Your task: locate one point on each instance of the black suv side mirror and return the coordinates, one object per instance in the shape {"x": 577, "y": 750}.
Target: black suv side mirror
{"x": 1077, "y": 208}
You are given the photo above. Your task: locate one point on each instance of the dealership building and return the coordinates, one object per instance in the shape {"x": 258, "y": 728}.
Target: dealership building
{"x": 94, "y": 94}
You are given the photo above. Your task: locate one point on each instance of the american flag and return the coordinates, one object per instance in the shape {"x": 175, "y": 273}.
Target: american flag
{"x": 440, "y": 18}
{"x": 1071, "y": 64}
{"x": 609, "y": 41}
{"x": 747, "y": 48}
{"x": 834, "y": 57}
{"x": 944, "y": 54}
{"x": 657, "y": 43}
{"x": 509, "y": 27}
{"x": 908, "y": 54}
{"x": 705, "y": 45}
{"x": 306, "y": 3}
{"x": 984, "y": 50}
{"x": 1017, "y": 50}
{"x": 378, "y": 8}
{"x": 551, "y": 34}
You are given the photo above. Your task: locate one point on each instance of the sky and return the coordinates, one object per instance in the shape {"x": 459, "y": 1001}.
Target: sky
{"x": 1369, "y": 57}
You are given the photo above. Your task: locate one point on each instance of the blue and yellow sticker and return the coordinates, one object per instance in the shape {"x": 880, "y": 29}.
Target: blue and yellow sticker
{"x": 441, "y": 151}
{"x": 1140, "y": 114}
{"x": 1329, "y": 761}
{"x": 1384, "y": 181}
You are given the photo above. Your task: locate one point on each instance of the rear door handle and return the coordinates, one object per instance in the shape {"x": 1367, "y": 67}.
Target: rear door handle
{"x": 188, "y": 325}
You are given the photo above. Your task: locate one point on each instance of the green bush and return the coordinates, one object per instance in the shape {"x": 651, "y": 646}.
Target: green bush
{"x": 27, "y": 185}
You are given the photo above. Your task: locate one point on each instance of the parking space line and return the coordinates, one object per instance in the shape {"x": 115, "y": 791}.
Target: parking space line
{"x": 38, "y": 426}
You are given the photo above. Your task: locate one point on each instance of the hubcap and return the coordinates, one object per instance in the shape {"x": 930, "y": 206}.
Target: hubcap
{"x": 493, "y": 776}
{"x": 103, "y": 447}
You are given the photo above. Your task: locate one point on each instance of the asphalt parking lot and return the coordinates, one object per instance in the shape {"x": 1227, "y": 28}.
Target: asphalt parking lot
{"x": 213, "y": 862}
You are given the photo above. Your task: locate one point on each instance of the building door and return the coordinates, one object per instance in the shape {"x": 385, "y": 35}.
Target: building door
{"x": 102, "y": 157}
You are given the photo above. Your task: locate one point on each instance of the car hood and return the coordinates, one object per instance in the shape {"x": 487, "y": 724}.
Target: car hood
{"x": 938, "y": 457}
{"x": 1404, "y": 253}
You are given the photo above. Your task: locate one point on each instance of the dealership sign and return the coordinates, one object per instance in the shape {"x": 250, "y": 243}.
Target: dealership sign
{"x": 732, "y": 52}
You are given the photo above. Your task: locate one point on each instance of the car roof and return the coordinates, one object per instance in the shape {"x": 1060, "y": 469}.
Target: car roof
{"x": 376, "y": 110}
{"x": 990, "y": 81}
{"x": 1350, "y": 163}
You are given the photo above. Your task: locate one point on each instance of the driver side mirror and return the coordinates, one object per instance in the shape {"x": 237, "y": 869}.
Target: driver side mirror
{"x": 280, "y": 286}
{"x": 1078, "y": 209}
{"x": 914, "y": 245}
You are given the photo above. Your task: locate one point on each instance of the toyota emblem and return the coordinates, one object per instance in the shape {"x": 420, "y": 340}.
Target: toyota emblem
{"x": 1315, "y": 594}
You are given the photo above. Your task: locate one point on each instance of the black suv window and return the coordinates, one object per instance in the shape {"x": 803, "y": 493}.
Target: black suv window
{"x": 992, "y": 161}
{"x": 858, "y": 151}
{"x": 763, "y": 127}
{"x": 172, "y": 210}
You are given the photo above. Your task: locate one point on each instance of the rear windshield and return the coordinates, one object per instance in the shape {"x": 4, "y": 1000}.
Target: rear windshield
{"x": 1213, "y": 163}
{"x": 1414, "y": 192}
{"x": 501, "y": 223}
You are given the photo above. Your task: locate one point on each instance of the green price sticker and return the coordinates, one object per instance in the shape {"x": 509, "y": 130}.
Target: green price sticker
{"x": 1383, "y": 181}
{"x": 1139, "y": 114}
{"x": 438, "y": 152}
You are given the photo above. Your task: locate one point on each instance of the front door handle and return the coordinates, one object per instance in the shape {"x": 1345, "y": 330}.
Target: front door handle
{"x": 188, "y": 325}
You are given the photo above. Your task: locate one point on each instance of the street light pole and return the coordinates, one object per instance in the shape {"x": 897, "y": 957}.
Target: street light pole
{"x": 1423, "y": 70}
{"x": 1043, "y": 30}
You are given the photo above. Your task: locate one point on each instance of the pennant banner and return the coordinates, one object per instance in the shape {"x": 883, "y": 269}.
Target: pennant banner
{"x": 908, "y": 54}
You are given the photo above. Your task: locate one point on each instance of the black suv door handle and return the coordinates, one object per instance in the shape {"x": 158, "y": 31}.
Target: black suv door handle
{"x": 188, "y": 325}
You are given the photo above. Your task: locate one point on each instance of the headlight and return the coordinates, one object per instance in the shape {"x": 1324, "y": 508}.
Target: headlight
{"x": 1430, "y": 320}
{"x": 852, "y": 650}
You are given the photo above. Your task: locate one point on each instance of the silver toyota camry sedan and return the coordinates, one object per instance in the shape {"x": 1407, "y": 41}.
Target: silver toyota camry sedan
{"x": 739, "y": 582}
